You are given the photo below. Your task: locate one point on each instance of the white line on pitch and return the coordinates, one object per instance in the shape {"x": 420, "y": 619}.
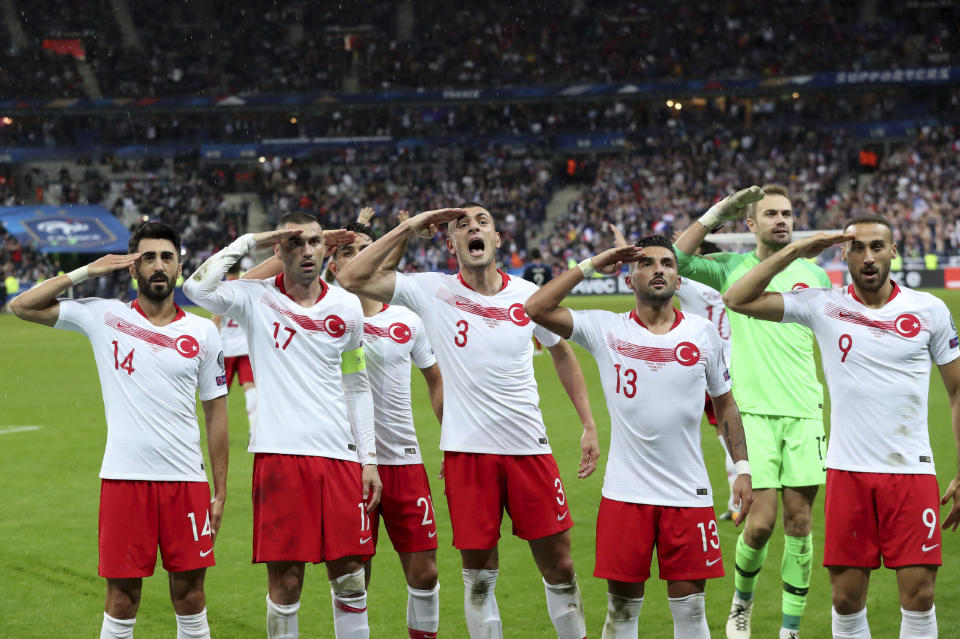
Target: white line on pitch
{"x": 18, "y": 429}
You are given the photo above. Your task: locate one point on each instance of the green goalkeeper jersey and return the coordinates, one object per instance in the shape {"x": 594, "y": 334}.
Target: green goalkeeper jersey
{"x": 773, "y": 369}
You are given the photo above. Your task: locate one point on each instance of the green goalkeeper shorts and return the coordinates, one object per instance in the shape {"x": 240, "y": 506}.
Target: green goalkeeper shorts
{"x": 785, "y": 451}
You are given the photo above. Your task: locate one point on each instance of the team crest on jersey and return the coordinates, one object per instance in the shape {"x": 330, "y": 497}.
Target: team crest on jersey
{"x": 220, "y": 362}
{"x": 398, "y": 332}
{"x": 186, "y": 345}
{"x": 490, "y": 314}
{"x": 332, "y": 325}
{"x": 684, "y": 353}
{"x": 799, "y": 286}
{"x": 905, "y": 325}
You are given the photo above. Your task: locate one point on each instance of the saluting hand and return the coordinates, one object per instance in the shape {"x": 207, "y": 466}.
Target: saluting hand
{"x": 111, "y": 263}
{"x": 427, "y": 224}
{"x": 269, "y": 238}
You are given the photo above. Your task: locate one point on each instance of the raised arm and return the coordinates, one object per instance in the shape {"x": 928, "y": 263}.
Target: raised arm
{"x": 362, "y": 274}
{"x": 748, "y": 295}
{"x": 40, "y": 305}
{"x": 218, "y": 449}
{"x": 731, "y": 428}
{"x": 731, "y": 207}
{"x": 543, "y": 306}
{"x": 434, "y": 389}
{"x": 396, "y": 255}
{"x": 950, "y": 373}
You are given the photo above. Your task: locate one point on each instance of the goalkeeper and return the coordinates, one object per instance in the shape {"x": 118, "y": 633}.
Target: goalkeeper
{"x": 775, "y": 385}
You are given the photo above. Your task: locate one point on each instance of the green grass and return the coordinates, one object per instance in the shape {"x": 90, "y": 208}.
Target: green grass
{"x": 48, "y": 534}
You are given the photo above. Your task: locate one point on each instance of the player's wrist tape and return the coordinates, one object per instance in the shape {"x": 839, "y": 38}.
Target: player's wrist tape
{"x": 710, "y": 219}
{"x": 587, "y": 268}
{"x": 742, "y": 467}
{"x": 78, "y": 275}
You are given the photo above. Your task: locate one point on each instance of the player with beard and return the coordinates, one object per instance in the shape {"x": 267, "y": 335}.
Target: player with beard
{"x": 881, "y": 500}
{"x": 152, "y": 358}
{"x": 315, "y": 477}
{"x": 779, "y": 396}
{"x": 496, "y": 452}
{"x": 656, "y": 363}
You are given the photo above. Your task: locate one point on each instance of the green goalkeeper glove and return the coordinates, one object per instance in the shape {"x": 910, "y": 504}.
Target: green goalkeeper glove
{"x": 730, "y": 207}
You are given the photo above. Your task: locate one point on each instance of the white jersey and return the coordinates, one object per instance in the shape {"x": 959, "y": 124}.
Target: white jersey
{"x": 391, "y": 340}
{"x": 234, "y": 341}
{"x": 484, "y": 347}
{"x": 699, "y": 299}
{"x": 654, "y": 387}
{"x": 295, "y": 353}
{"x": 877, "y": 366}
{"x": 149, "y": 376}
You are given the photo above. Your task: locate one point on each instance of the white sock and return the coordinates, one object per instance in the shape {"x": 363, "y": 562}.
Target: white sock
{"x": 116, "y": 628}
{"x": 731, "y": 472}
{"x": 566, "y": 609}
{"x": 193, "y": 626}
{"x": 689, "y": 617}
{"x": 423, "y": 612}
{"x": 480, "y": 604}
{"x": 282, "y": 620}
{"x": 250, "y": 399}
{"x": 853, "y": 626}
{"x": 350, "y": 606}
{"x": 918, "y": 625}
{"x": 623, "y": 615}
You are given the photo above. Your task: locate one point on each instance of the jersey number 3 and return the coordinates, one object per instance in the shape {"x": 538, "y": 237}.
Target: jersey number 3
{"x": 460, "y": 339}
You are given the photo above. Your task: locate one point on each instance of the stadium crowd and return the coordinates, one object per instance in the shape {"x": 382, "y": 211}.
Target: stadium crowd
{"x": 371, "y": 46}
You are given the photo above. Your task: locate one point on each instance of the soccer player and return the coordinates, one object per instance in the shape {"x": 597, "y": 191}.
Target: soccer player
{"x": 236, "y": 355}
{"x": 496, "y": 451}
{"x": 393, "y": 337}
{"x": 315, "y": 475}
{"x": 877, "y": 340}
{"x": 656, "y": 364}
{"x": 537, "y": 272}
{"x": 780, "y": 400}
{"x": 152, "y": 358}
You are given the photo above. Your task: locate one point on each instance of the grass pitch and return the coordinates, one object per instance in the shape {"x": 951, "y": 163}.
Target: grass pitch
{"x": 52, "y": 434}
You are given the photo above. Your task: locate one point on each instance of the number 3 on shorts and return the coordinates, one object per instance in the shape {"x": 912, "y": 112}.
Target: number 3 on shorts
{"x": 714, "y": 537}
{"x": 561, "y": 498}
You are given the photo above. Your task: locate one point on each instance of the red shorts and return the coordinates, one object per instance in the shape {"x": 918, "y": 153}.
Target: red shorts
{"x": 308, "y": 508}
{"x": 479, "y": 486}
{"x": 688, "y": 546}
{"x": 407, "y": 509}
{"x": 138, "y": 516}
{"x": 240, "y": 366}
{"x": 874, "y": 515}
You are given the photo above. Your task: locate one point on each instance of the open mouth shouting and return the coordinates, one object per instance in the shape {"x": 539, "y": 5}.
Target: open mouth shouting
{"x": 476, "y": 246}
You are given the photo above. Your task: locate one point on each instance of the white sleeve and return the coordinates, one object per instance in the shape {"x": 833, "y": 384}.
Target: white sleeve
{"x": 799, "y": 305}
{"x": 359, "y": 400}
{"x": 213, "y": 375}
{"x": 718, "y": 373}
{"x": 422, "y": 352}
{"x": 583, "y": 329}
{"x": 409, "y": 291}
{"x": 545, "y": 336}
{"x": 77, "y": 315}
{"x": 944, "y": 344}
{"x": 204, "y": 286}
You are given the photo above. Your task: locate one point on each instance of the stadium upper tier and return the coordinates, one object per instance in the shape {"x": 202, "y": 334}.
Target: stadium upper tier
{"x": 153, "y": 48}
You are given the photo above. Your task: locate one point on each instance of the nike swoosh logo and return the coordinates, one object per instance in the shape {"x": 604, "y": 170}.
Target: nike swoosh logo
{"x": 363, "y": 541}
{"x": 204, "y": 554}
{"x": 563, "y": 516}
{"x": 431, "y": 535}
{"x": 710, "y": 563}
{"x": 926, "y": 548}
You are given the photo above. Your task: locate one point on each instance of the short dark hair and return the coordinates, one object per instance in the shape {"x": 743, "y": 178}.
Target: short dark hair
{"x": 297, "y": 217}
{"x": 361, "y": 229}
{"x": 768, "y": 189}
{"x": 870, "y": 219}
{"x": 706, "y": 248}
{"x": 535, "y": 254}
{"x": 472, "y": 205}
{"x": 154, "y": 231}
{"x": 657, "y": 240}
{"x": 234, "y": 269}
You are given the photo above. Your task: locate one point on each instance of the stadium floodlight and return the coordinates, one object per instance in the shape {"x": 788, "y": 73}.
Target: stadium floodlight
{"x": 669, "y": 104}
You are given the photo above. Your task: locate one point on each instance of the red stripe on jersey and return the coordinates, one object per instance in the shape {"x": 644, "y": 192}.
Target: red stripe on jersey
{"x": 398, "y": 332}
{"x": 906, "y": 324}
{"x": 514, "y": 313}
{"x": 685, "y": 353}
{"x": 186, "y": 345}
{"x": 331, "y": 324}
